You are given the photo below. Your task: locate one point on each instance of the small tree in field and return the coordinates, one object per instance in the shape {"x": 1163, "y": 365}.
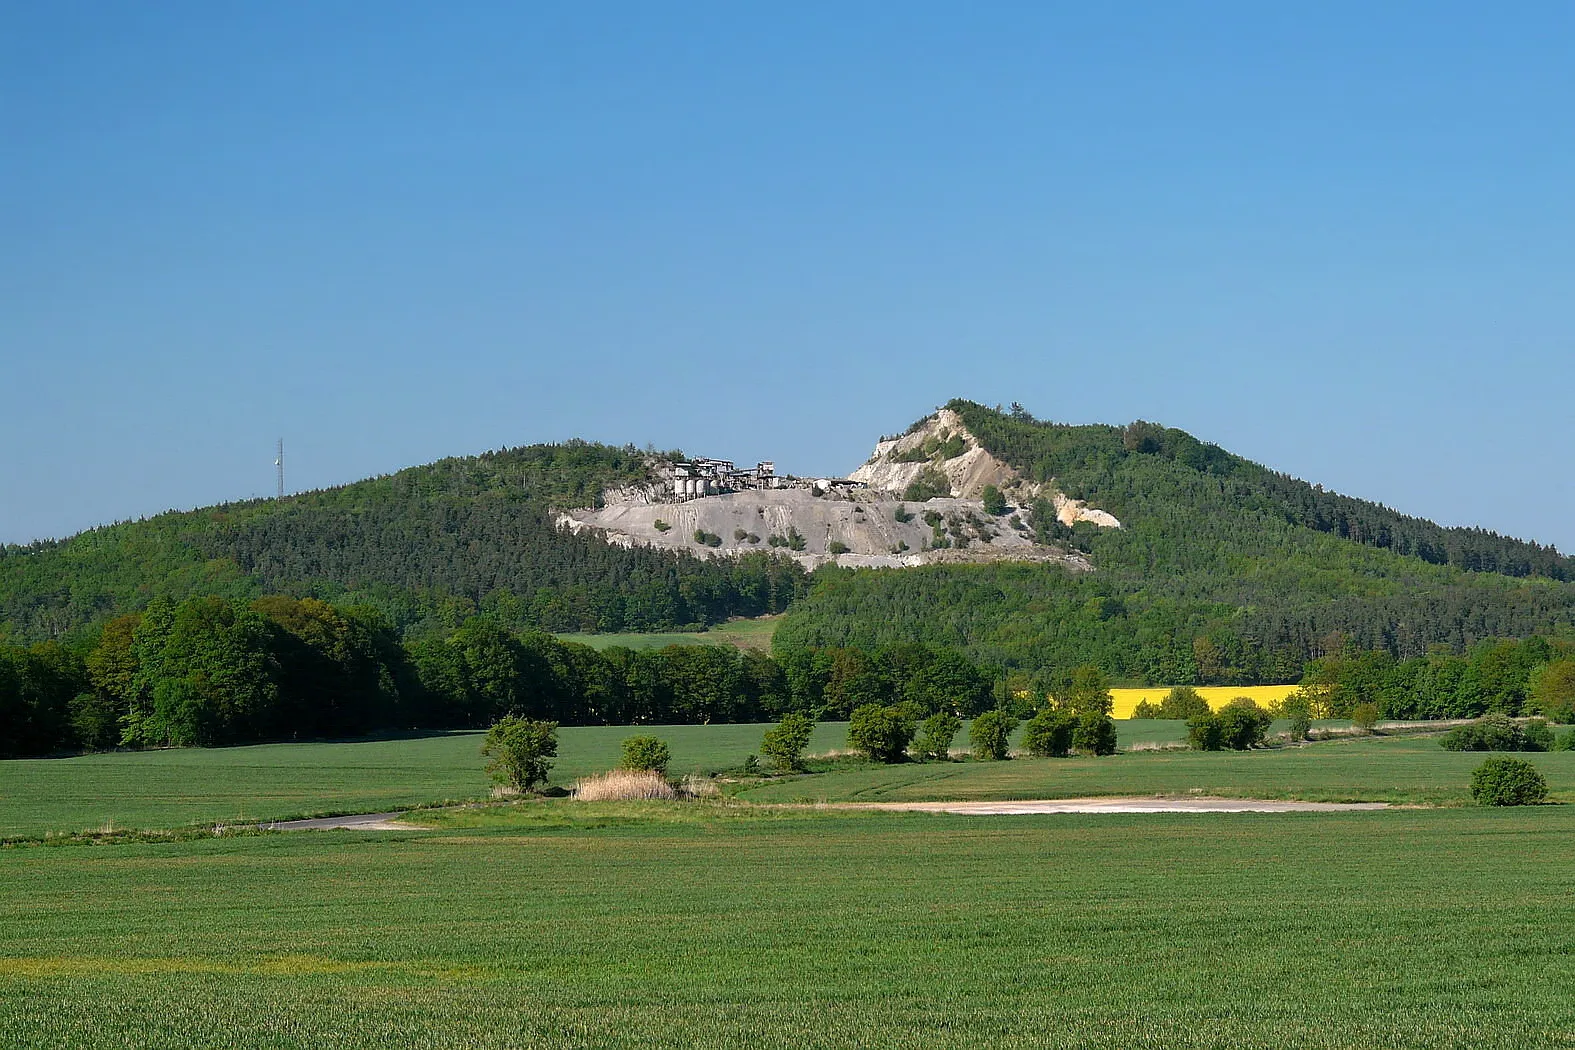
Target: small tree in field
{"x": 936, "y": 734}
{"x": 784, "y": 745}
{"x": 520, "y": 750}
{"x": 990, "y": 735}
{"x": 1184, "y": 702}
{"x": 1243, "y": 724}
{"x": 1508, "y": 782}
{"x": 1095, "y": 734}
{"x": 1364, "y": 716}
{"x": 1204, "y": 732}
{"x": 1049, "y": 734}
{"x": 642, "y": 753}
{"x": 881, "y": 733}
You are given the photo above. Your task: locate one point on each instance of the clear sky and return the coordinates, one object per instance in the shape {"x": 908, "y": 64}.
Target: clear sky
{"x": 1337, "y": 238}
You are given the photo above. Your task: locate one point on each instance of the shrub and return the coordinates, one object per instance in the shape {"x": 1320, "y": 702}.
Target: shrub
{"x": 1364, "y": 716}
{"x": 994, "y": 502}
{"x": 936, "y": 734}
{"x": 930, "y": 484}
{"x": 1147, "y": 709}
{"x": 1204, "y": 732}
{"x": 836, "y": 547}
{"x": 1491, "y": 732}
{"x": 1508, "y": 782}
{"x": 1184, "y": 702}
{"x": 990, "y": 735}
{"x": 707, "y": 539}
{"x": 1243, "y": 724}
{"x": 1536, "y": 736}
{"x": 785, "y": 744}
{"x": 1049, "y": 734}
{"x": 621, "y": 784}
{"x": 1298, "y": 708}
{"x": 740, "y": 535}
{"x": 1565, "y": 742}
{"x": 902, "y": 514}
{"x": 520, "y": 750}
{"x": 881, "y": 733}
{"x": 645, "y": 753}
{"x": 660, "y": 526}
{"x": 1095, "y": 734}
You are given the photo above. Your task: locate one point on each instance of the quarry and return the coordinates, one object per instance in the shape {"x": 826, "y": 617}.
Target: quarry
{"x": 918, "y": 500}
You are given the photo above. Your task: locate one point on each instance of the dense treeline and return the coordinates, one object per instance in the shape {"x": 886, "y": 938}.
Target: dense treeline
{"x": 1214, "y": 578}
{"x": 214, "y": 671}
{"x": 1533, "y": 676}
{"x": 428, "y": 547}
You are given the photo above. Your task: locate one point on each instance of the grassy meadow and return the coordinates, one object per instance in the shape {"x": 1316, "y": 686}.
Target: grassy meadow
{"x": 745, "y": 634}
{"x": 561, "y": 925}
{"x": 180, "y": 787}
{"x": 1396, "y": 769}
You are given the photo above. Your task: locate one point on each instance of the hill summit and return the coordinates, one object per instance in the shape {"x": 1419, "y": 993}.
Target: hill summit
{"x": 975, "y": 508}
{"x": 1025, "y": 542}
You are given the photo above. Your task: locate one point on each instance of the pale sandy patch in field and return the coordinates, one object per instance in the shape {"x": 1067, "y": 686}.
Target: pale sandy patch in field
{"x": 1129, "y": 804}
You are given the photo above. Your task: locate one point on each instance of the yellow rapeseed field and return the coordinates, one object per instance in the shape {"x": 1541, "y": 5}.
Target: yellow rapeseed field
{"x": 1217, "y": 695}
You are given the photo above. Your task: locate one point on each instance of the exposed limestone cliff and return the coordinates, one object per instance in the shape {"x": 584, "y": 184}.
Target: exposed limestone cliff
{"x": 880, "y": 525}
{"x": 942, "y": 444}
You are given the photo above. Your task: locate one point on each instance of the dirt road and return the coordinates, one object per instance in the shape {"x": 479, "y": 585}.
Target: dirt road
{"x": 353, "y": 822}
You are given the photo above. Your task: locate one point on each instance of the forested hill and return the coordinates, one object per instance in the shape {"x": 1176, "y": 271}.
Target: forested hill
{"x": 427, "y": 546}
{"x": 1145, "y": 465}
{"x": 1223, "y": 571}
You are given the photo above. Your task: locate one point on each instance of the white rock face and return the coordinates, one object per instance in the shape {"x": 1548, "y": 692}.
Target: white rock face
{"x": 862, "y": 526}
{"x": 968, "y": 473}
{"x": 867, "y": 528}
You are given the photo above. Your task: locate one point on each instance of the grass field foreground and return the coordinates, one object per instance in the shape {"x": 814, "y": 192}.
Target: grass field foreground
{"x": 1426, "y": 929}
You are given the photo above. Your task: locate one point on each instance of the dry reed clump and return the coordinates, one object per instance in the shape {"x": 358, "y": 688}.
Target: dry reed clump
{"x": 621, "y": 784}
{"x": 698, "y": 787}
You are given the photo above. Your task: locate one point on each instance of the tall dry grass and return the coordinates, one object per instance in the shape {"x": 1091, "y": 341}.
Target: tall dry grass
{"x": 622, "y": 784}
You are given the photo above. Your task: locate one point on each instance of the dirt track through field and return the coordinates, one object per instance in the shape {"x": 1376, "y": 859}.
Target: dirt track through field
{"x": 1119, "y": 805}
{"x": 353, "y": 822}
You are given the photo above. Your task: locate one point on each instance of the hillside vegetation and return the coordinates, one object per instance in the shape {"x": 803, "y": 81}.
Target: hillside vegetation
{"x": 427, "y": 547}
{"x": 1222, "y": 571}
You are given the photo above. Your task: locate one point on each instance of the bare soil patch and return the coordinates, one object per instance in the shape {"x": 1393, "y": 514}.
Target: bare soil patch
{"x": 1120, "y": 805}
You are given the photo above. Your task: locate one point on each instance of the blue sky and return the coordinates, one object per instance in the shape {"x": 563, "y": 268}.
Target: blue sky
{"x": 1337, "y": 238}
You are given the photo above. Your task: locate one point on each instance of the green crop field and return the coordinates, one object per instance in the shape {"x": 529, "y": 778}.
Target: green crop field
{"x": 178, "y": 787}
{"x": 746, "y": 634}
{"x": 707, "y": 926}
{"x": 181, "y": 786}
{"x": 1400, "y": 769}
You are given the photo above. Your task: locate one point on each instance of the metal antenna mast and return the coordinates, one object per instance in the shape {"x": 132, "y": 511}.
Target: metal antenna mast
{"x": 279, "y": 463}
